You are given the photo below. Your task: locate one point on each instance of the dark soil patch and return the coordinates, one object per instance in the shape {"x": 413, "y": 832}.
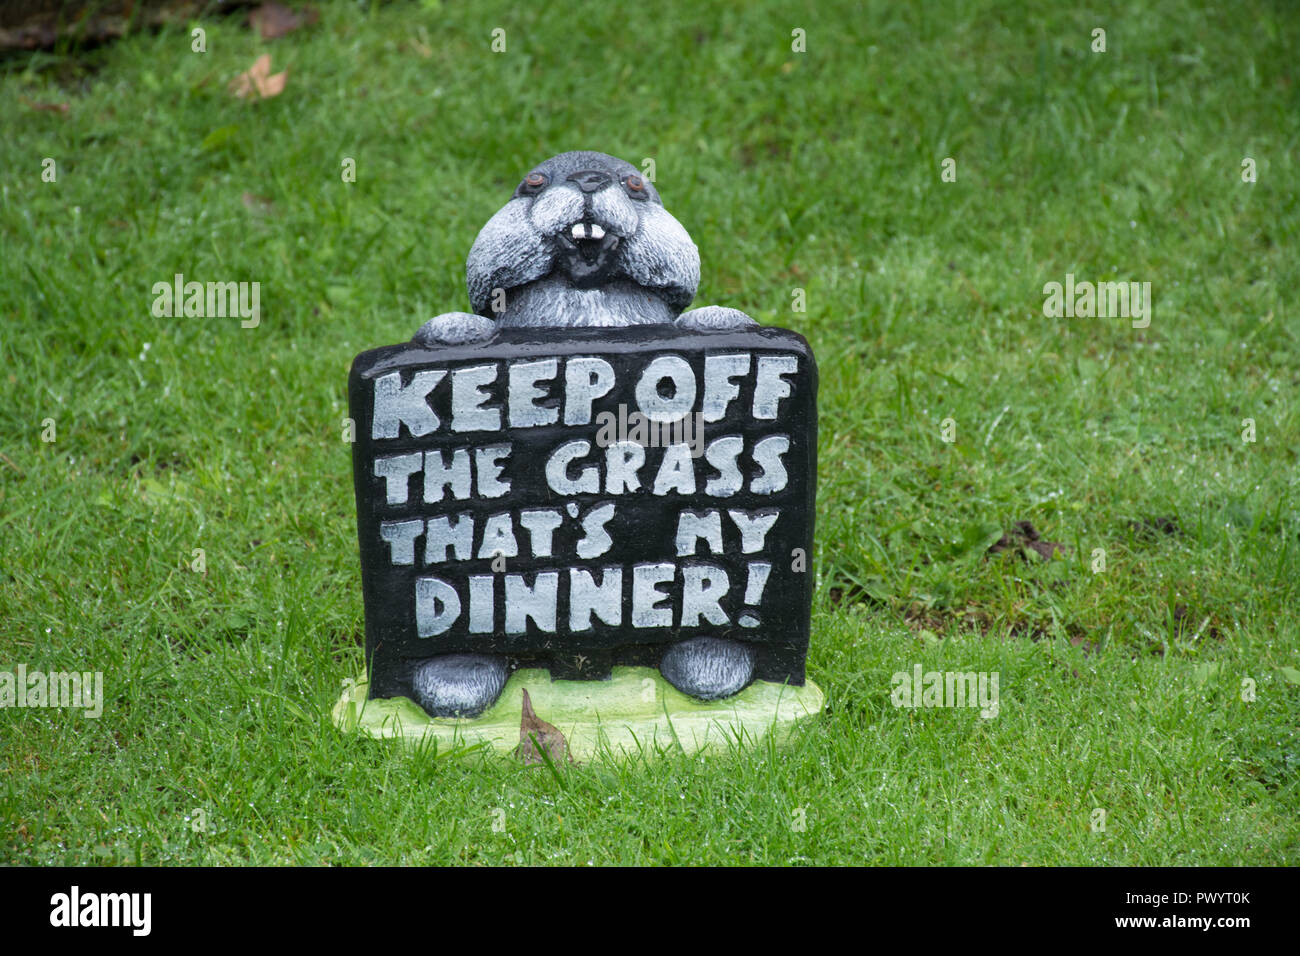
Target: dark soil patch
{"x": 342, "y": 643}
{"x": 1190, "y": 623}
{"x": 27, "y": 25}
{"x": 1023, "y": 537}
{"x": 1149, "y": 529}
{"x": 943, "y": 622}
{"x": 163, "y": 464}
{"x": 845, "y": 594}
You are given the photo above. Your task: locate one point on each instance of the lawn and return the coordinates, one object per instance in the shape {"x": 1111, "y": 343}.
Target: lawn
{"x": 176, "y": 505}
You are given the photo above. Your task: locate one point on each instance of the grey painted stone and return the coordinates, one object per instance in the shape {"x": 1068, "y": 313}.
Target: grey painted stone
{"x": 458, "y": 685}
{"x": 709, "y": 668}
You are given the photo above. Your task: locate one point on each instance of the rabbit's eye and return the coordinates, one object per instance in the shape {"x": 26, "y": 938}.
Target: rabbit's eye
{"x": 636, "y": 187}
{"x": 533, "y": 184}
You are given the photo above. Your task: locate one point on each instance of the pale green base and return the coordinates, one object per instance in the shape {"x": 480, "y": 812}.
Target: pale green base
{"x": 635, "y": 713}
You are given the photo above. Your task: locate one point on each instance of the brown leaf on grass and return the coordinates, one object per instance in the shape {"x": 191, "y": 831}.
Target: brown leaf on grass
{"x": 273, "y": 20}
{"x": 46, "y": 107}
{"x": 420, "y": 43}
{"x": 258, "y": 79}
{"x": 9, "y": 461}
{"x": 260, "y": 205}
{"x": 534, "y": 733}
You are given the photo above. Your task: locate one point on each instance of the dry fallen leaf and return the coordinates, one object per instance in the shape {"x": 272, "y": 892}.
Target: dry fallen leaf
{"x": 9, "y": 461}
{"x": 423, "y": 49}
{"x": 273, "y": 20}
{"x": 261, "y": 205}
{"x": 47, "y": 107}
{"x": 258, "y": 79}
{"x": 421, "y": 44}
{"x": 534, "y": 731}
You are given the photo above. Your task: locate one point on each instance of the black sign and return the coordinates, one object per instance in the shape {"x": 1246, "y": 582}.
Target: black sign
{"x": 579, "y": 498}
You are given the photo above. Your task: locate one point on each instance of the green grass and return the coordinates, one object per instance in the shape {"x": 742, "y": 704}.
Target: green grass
{"x": 1120, "y": 690}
